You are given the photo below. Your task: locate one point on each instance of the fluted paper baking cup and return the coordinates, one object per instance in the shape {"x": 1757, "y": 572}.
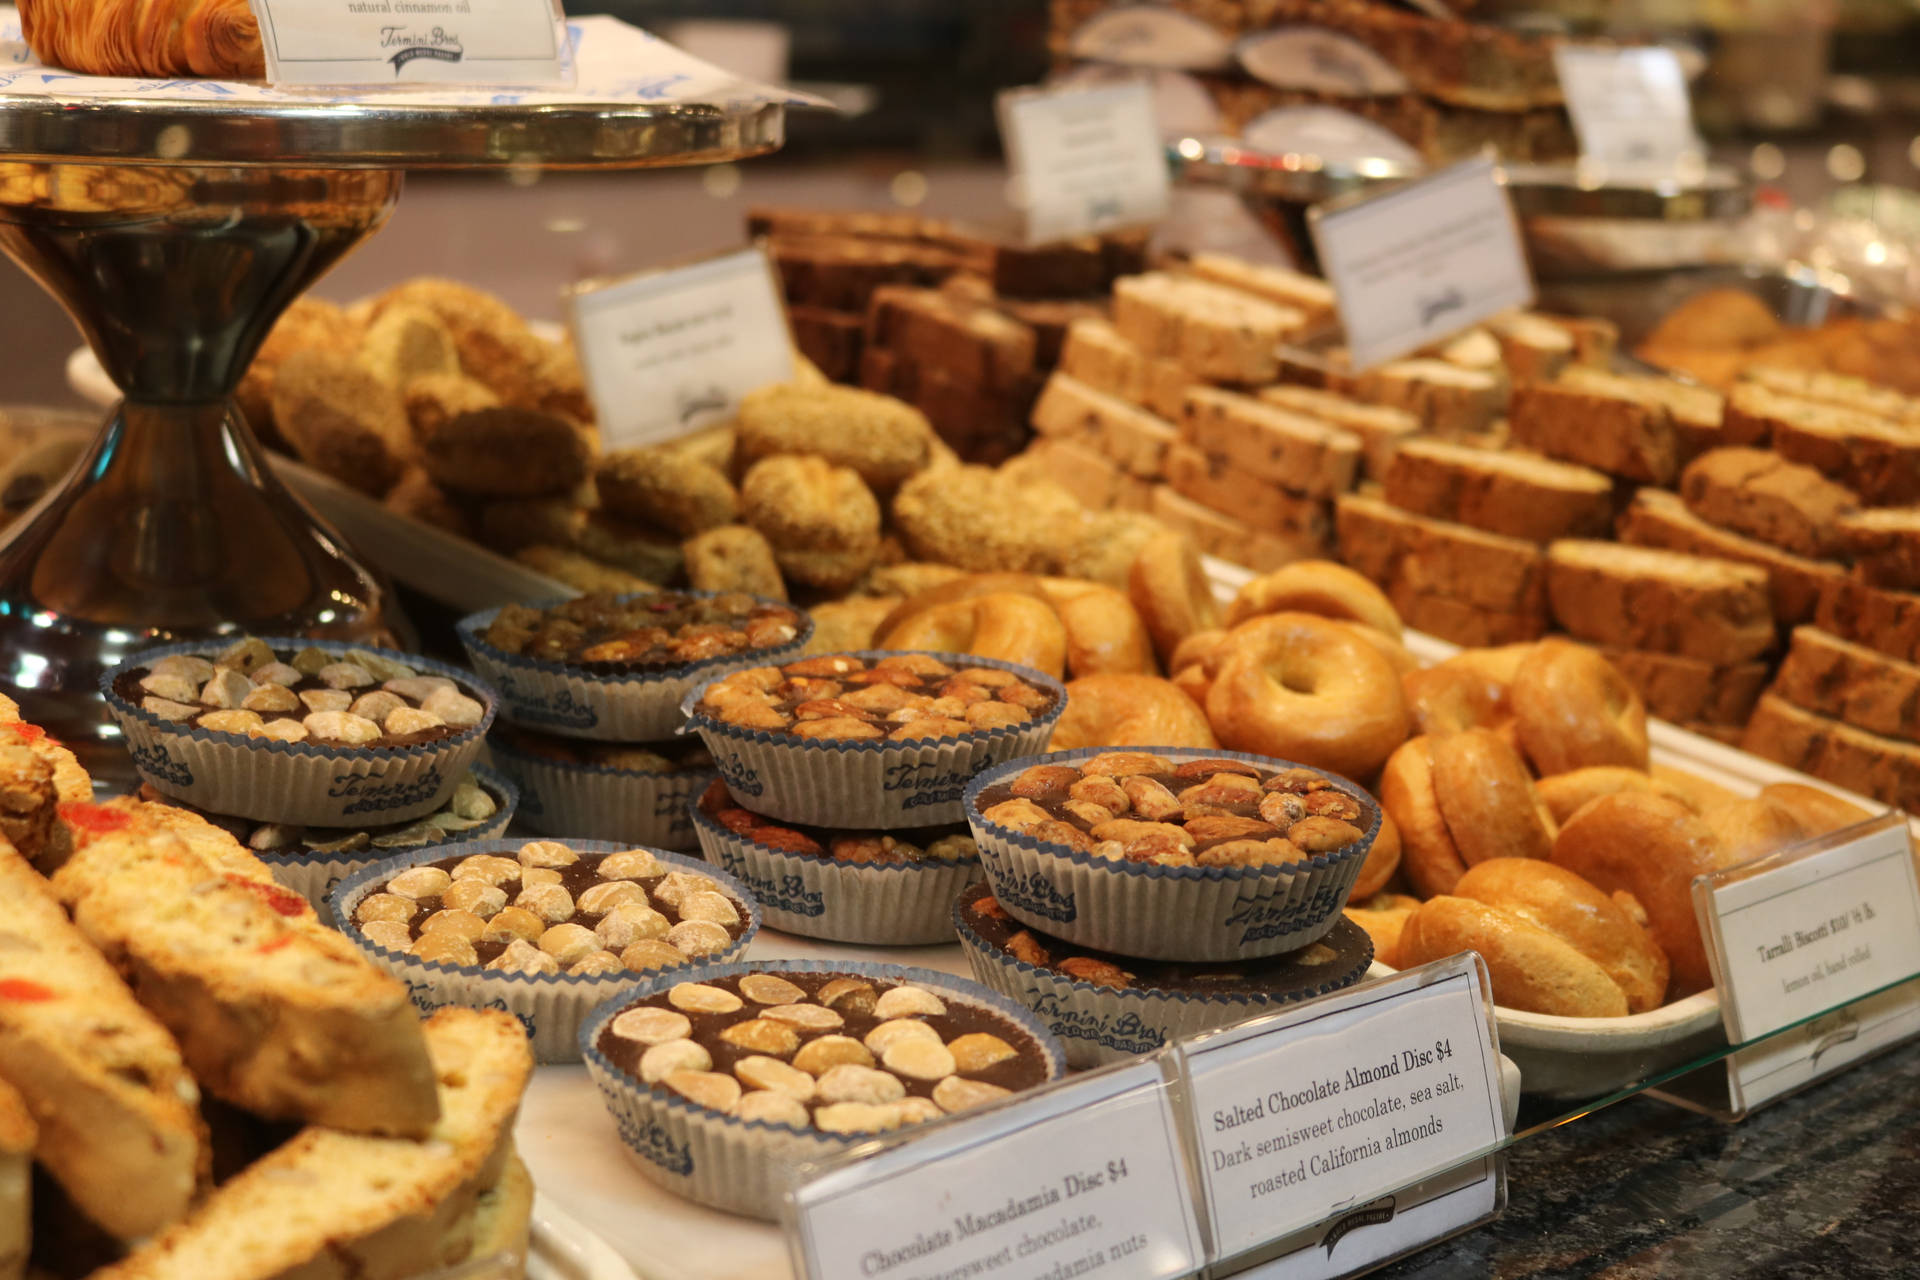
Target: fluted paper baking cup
{"x": 602, "y": 802}
{"x": 314, "y": 875}
{"x": 308, "y": 783}
{"x": 549, "y": 1005}
{"x": 876, "y": 785}
{"x": 742, "y": 1166}
{"x": 1099, "y": 1024}
{"x": 571, "y": 700}
{"x": 901, "y": 904}
{"x": 1167, "y": 913}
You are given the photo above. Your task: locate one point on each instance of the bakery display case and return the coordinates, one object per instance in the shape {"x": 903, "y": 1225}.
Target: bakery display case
{"x": 1078, "y": 680}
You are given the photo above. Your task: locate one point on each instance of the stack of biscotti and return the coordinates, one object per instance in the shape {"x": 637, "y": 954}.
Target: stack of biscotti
{"x": 1872, "y": 453}
{"x": 1617, "y": 596}
{"x": 1845, "y": 713}
{"x": 1103, "y": 448}
{"x": 1447, "y": 579}
{"x": 1605, "y": 421}
{"x": 972, "y": 369}
{"x": 1219, "y": 333}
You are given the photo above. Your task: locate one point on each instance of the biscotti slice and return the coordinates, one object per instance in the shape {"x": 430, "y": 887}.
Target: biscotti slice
{"x": 118, "y": 1115}
{"x": 340, "y": 1206}
{"x": 1697, "y": 413}
{"x": 1874, "y": 457}
{"x": 1135, "y": 440}
{"x": 1760, "y": 494}
{"x": 275, "y": 1013}
{"x": 1464, "y": 624}
{"x": 1688, "y": 691}
{"x": 17, "y": 1135}
{"x": 1311, "y": 296}
{"x": 1448, "y": 399}
{"x": 1215, "y": 332}
{"x": 1381, "y": 429}
{"x": 1884, "y": 768}
{"x": 1599, "y": 420}
{"x": 967, "y": 341}
{"x": 1884, "y": 544}
{"x": 1299, "y": 453}
{"x": 840, "y": 273}
{"x": 1883, "y": 620}
{"x": 1595, "y": 338}
{"x": 1659, "y": 518}
{"x": 1488, "y": 571}
{"x": 1851, "y": 682}
{"x": 1640, "y": 598}
{"x": 1520, "y": 495}
{"x": 1097, "y": 355}
{"x": 37, "y": 776}
{"x": 1219, "y": 534}
{"x": 1834, "y": 389}
{"x": 1533, "y": 348}
{"x": 1259, "y": 504}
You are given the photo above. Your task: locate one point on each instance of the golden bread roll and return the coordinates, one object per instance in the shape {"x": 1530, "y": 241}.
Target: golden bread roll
{"x": 1299, "y": 687}
{"x": 1121, "y": 709}
{"x": 1565, "y": 793}
{"x": 1651, "y": 847}
{"x": 1170, "y": 589}
{"x": 1531, "y": 969}
{"x": 1689, "y": 789}
{"x": 1007, "y": 625}
{"x": 1383, "y": 916}
{"x": 1752, "y": 827}
{"x": 1573, "y": 709}
{"x": 1383, "y": 859}
{"x": 1428, "y": 852}
{"x": 966, "y": 586}
{"x": 1817, "y": 811}
{"x": 1501, "y": 663}
{"x": 1601, "y": 928}
{"x": 1447, "y": 699}
{"x": 1488, "y": 798}
{"x": 1316, "y": 586}
{"x": 1104, "y": 631}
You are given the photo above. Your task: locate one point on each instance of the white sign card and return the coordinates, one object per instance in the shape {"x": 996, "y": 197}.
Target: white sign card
{"x": 1312, "y": 1112}
{"x": 1782, "y": 1064}
{"x": 1423, "y": 261}
{"x": 1085, "y": 159}
{"x": 1087, "y": 1176}
{"x": 667, "y": 352}
{"x": 385, "y": 42}
{"x": 1798, "y": 933}
{"x": 1630, "y": 108}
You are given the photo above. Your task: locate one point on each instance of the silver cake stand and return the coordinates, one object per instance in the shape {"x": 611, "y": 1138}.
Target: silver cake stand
{"x": 175, "y": 234}
{"x": 1278, "y": 188}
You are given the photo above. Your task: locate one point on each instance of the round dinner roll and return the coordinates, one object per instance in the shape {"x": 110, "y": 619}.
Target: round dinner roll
{"x": 1448, "y": 698}
{"x": 1650, "y": 847}
{"x": 1817, "y": 811}
{"x": 1172, "y": 592}
{"x": 1008, "y": 625}
{"x": 1382, "y": 861}
{"x": 1383, "y": 916}
{"x": 1123, "y": 709}
{"x": 1750, "y": 827}
{"x": 1565, "y": 793}
{"x": 1501, "y": 663}
{"x": 1689, "y": 789}
{"x": 1104, "y": 631}
{"x": 1573, "y": 709}
{"x": 1303, "y": 688}
{"x": 1460, "y": 799}
{"x": 1316, "y": 586}
{"x": 1427, "y": 848}
{"x": 1553, "y": 945}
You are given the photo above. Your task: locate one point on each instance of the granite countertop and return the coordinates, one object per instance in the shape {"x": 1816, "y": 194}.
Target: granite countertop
{"x": 1824, "y": 1184}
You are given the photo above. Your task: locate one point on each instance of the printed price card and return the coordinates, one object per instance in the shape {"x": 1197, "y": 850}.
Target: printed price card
{"x": 384, "y": 42}
{"x": 1087, "y": 1177}
{"x": 1794, "y": 1059}
{"x": 1797, "y": 933}
{"x": 1085, "y": 159}
{"x": 1311, "y": 1113}
{"x": 666, "y": 352}
{"x": 1422, "y": 261}
{"x": 1629, "y": 108}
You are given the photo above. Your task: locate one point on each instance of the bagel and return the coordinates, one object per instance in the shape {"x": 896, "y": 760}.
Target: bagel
{"x": 965, "y": 587}
{"x": 1565, "y": 793}
{"x": 1119, "y": 709}
{"x": 1397, "y": 654}
{"x": 1383, "y": 916}
{"x": 1447, "y": 699}
{"x": 1501, "y": 663}
{"x": 1753, "y": 826}
{"x": 1170, "y": 589}
{"x": 1196, "y": 662}
{"x": 1104, "y": 631}
{"x": 1689, "y": 789}
{"x": 1382, "y": 861}
{"x": 1817, "y": 811}
{"x": 1573, "y": 709}
{"x": 1552, "y": 942}
{"x": 1316, "y": 586}
{"x": 1006, "y": 625}
{"x": 1460, "y": 799}
{"x": 1428, "y": 852}
{"x": 1302, "y": 688}
{"x": 1652, "y": 848}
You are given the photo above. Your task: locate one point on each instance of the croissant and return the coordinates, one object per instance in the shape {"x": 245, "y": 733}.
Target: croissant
{"x": 210, "y": 39}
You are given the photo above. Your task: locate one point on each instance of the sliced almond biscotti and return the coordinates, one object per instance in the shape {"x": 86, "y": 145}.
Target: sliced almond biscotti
{"x": 1311, "y": 296}
{"x": 1382, "y": 429}
{"x": 1835, "y": 389}
{"x": 1599, "y": 420}
{"x": 1885, "y": 621}
{"x": 1884, "y": 543}
{"x": 1517, "y": 494}
{"x": 340, "y": 1206}
{"x": 1398, "y": 549}
{"x": 1135, "y": 440}
{"x": 1302, "y": 454}
{"x": 1667, "y": 601}
{"x": 1659, "y": 518}
{"x": 1216, "y": 332}
{"x": 1448, "y": 399}
{"x": 275, "y": 1013}
{"x": 1688, "y": 691}
{"x": 1534, "y": 348}
{"x": 37, "y": 776}
{"x": 118, "y": 1116}
{"x": 1761, "y": 494}
{"x": 1851, "y": 682}
{"x": 1881, "y": 767}
{"x": 1877, "y": 458}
